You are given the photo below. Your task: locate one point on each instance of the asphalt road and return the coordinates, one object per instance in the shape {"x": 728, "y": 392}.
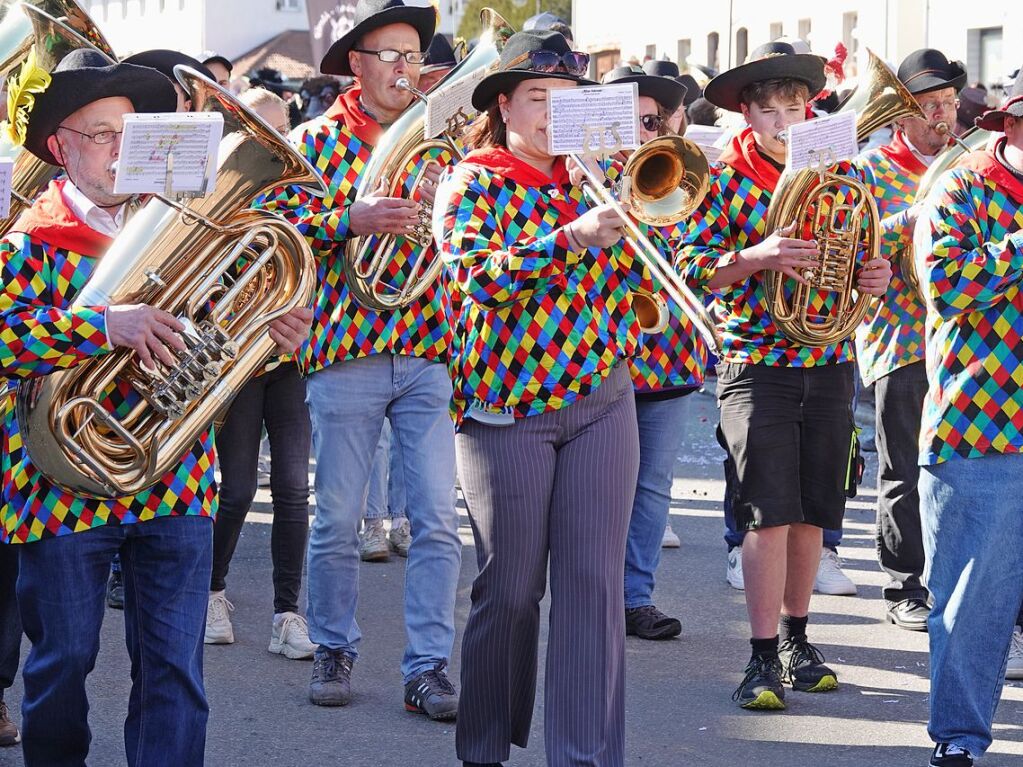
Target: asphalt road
{"x": 679, "y": 709}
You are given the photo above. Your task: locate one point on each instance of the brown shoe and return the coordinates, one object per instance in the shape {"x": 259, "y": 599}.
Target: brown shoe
{"x": 9, "y": 734}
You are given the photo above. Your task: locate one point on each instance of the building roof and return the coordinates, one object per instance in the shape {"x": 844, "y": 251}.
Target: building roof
{"x": 290, "y": 53}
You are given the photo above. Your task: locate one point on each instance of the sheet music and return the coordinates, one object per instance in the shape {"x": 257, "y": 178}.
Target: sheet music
{"x": 451, "y": 102}
{"x": 6, "y": 173}
{"x": 190, "y": 138}
{"x": 826, "y": 139}
{"x": 599, "y": 119}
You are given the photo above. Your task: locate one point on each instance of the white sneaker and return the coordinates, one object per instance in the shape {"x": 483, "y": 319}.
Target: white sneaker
{"x": 734, "y": 572}
{"x": 830, "y": 578}
{"x": 373, "y": 542}
{"x": 290, "y": 637}
{"x": 1014, "y": 670}
{"x": 218, "y": 620}
{"x": 400, "y": 537}
{"x": 670, "y": 540}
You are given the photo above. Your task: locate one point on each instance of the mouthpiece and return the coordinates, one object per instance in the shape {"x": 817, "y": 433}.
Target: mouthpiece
{"x": 942, "y": 128}
{"x": 782, "y": 136}
{"x": 403, "y": 83}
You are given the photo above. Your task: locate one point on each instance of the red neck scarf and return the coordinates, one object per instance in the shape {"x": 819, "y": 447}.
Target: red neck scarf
{"x": 500, "y": 160}
{"x": 347, "y": 109}
{"x": 742, "y": 155}
{"x": 51, "y": 221}
{"x": 986, "y": 165}
{"x": 898, "y": 151}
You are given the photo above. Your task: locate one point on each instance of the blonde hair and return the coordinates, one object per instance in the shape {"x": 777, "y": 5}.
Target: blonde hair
{"x": 254, "y": 98}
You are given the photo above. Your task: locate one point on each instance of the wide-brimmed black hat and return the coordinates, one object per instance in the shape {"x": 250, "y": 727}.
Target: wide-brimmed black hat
{"x": 212, "y": 57}
{"x": 1012, "y": 106}
{"x": 972, "y": 104}
{"x": 771, "y": 61}
{"x": 515, "y": 66}
{"x": 84, "y": 76}
{"x": 666, "y": 91}
{"x": 929, "y": 70}
{"x": 440, "y": 55}
{"x": 663, "y": 68}
{"x": 164, "y": 61}
{"x": 373, "y": 14}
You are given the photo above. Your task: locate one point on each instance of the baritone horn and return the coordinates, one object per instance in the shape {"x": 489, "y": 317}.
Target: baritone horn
{"x": 841, "y": 215}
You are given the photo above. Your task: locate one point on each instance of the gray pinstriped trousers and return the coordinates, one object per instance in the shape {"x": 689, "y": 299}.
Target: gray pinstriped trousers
{"x": 558, "y": 485}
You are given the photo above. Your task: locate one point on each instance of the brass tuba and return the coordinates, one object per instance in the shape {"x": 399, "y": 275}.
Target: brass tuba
{"x": 972, "y": 140}
{"x": 368, "y": 259}
{"x": 840, "y": 213}
{"x": 53, "y": 28}
{"x": 225, "y": 270}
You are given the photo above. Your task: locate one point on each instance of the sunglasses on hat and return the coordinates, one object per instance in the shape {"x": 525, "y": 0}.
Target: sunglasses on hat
{"x": 571, "y": 62}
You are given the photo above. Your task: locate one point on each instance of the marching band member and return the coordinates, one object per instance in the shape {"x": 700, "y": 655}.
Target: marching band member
{"x": 890, "y": 342}
{"x": 969, "y": 255}
{"x": 164, "y": 533}
{"x": 547, "y": 437}
{"x": 667, "y": 366}
{"x": 786, "y": 419}
{"x": 364, "y": 366}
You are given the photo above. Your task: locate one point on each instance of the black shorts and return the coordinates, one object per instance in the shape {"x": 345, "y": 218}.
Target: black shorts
{"x": 787, "y": 431}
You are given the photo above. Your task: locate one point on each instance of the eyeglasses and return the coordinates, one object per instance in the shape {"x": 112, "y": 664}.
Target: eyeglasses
{"x": 652, "y": 122}
{"x": 571, "y": 62}
{"x": 933, "y": 107}
{"x": 103, "y": 137}
{"x": 389, "y": 55}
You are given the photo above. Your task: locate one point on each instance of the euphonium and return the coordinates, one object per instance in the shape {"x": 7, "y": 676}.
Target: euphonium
{"x": 974, "y": 139}
{"x": 225, "y": 270}
{"x": 369, "y": 261}
{"x": 840, "y": 213}
{"x": 53, "y": 28}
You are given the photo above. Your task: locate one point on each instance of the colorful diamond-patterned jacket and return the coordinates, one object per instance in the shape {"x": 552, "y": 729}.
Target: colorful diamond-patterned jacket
{"x": 892, "y": 333}
{"x": 969, "y": 255}
{"x": 43, "y": 268}
{"x": 677, "y": 356}
{"x": 339, "y": 144}
{"x": 732, "y": 217}
{"x": 539, "y": 324}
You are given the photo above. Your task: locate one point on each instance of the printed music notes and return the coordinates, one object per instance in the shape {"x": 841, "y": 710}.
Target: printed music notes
{"x": 449, "y": 107}
{"x": 598, "y": 120}
{"x": 821, "y": 142}
{"x": 173, "y": 153}
{"x": 6, "y": 173}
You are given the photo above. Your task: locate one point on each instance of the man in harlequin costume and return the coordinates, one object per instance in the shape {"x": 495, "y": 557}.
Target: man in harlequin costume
{"x": 890, "y": 342}
{"x": 786, "y": 419}
{"x": 163, "y": 534}
{"x": 364, "y": 366}
{"x": 969, "y": 257}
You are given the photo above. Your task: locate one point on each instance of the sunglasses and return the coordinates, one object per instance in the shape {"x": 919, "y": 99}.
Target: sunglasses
{"x": 651, "y": 122}
{"x": 571, "y": 62}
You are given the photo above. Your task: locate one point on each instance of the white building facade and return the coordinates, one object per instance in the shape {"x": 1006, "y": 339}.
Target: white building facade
{"x": 230, "y": 27}
{"x": 721, "y": 34}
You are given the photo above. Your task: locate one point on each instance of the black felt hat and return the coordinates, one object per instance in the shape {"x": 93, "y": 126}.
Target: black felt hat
{"x": 84, "y": 76}
{"x": 666, "y": 91}
{"x": 373, "y": 14}
{"x": 514, "y": 65}
{"x": 663, "y": 68}
{"x": 929, "y": 70}
{"x": 1012, "y": 106}
{"x": 164, "y": 61}
{"x": 212, "y": 57}
{"x": 772, "y": 61}
{"x": 440, "y": 55}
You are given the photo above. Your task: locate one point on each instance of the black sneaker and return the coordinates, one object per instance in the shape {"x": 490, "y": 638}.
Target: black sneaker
{"x": 950, "y": 755}
{"x": 648, "y": 622}
{"x": 761, "y": 689}
{"x": 115, "y": 590}
{"x": 432, "y": 693}
{"x": 332, "y": 678}
{"x": 804, "y": 667}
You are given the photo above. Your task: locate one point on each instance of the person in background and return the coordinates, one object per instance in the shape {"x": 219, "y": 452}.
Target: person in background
{"x": 164, "y": 61}
{"x": 972, "y": 104}
{"x": 10, "y": 632}
{"x": 220, "y": 66}
{"x": 385, "y": 500}
{"x": 440, "y": 59}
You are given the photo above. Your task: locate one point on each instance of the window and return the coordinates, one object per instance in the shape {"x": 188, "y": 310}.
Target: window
{"x": 685, "y": 47}
{"x": 603, "y": 62}
{"x": 741, "y": 45}
{"x": 651, "y": 53}
{"x": 851, "y": 40}
{"x": 712, "y": 50}
{"x": 804, "y": 30}
{"x": 984, "y": 55}
{"x": 289, "y": 5}
{"x": 777, "y": 30}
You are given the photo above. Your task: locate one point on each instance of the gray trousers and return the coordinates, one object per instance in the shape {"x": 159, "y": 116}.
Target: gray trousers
{"x": 556, "y": 486}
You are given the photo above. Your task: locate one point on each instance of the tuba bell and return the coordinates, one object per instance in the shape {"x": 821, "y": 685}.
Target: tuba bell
{"x": 369, "y": 261}
{"x": 840, "y": 213}
{"x": 52, "y": 29}
{"x": 225, "y": 270}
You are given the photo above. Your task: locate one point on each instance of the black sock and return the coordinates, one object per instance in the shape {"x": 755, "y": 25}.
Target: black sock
{"x": 765, "y": 648}
{"x": 793, "y": 628}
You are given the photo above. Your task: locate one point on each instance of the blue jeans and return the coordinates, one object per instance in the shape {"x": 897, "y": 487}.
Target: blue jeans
{"x": 348, "y": 402}
{"x": 661, "y": 429}
{"x": 973, "y": 542}
{"x": 61, "y": 590}
{"x": 386, "y": 498}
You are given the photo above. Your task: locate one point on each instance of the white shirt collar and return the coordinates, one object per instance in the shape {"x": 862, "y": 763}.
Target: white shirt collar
{"x": 93, "y": 216}
{"x": 926, "y": 159}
